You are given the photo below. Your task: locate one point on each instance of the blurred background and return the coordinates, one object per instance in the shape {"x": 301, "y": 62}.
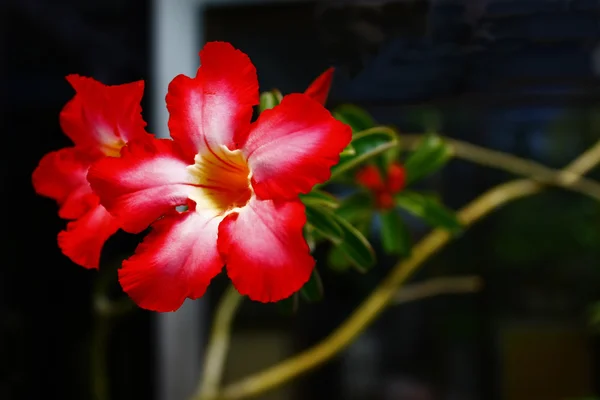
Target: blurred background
{"x": 520, "y": 76}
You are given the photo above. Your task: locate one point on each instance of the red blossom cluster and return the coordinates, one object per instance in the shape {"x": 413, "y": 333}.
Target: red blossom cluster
{"x": 382, "y": 188}
{"x": 240, "y": 180}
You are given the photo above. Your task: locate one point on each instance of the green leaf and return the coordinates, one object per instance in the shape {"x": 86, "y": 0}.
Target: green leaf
{"x": 391, "y": 155}
{"x": 348, "y": 151}
{"x": 288, "y": 306}
{"x": 337, "y": 261}
{"x": 356, "y": 117}
{"x": 312, "y": 291}
{"x": 320, "y": 198}
{"x": 309, "y": 236}
{"x": 355, "y": 247}
{"x": 431, "y": 154}
{"x": 428, "y": 208}
{"x": 324, "y": 222}
{"x": 353, "y": 207}
{"x": 269, "y": 100}
{"x": 394, "y": 234}
{"x": 367, "y": 144}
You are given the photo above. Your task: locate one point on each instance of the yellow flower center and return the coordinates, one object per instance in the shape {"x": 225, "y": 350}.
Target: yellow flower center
{"x": 222, "y": 179}
{"x": 112, "y": 148}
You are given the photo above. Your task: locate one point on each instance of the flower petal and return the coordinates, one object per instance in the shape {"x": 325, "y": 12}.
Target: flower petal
{"x": 149, "y": 179}
{"x": 177, "y": 260}
{"x": 61, "y": 175}
{"x": 396, "y": 179}
{"x": 215, "y": 107}
{"x": 370, "y": 177}
{"x": 293, "y": 146}
{"x": 319, "y": 88}
{"x": 84, "y": 238}
{"x": 102, "y": 118}
{"x": 265, "y": 251}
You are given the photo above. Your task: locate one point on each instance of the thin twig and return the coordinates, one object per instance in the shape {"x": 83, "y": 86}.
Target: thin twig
{"x": 104, "y": 312}
{"x": 438, "y": 286}
{"x": 517, "y": 166}
{"x": 216, "y": 353}
{"x": 98, "y": 352}
{"x": 385, "y": 292}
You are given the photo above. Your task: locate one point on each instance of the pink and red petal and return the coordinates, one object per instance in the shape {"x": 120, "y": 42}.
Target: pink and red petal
{"x": 149, "y": 179}
{"x": 102, "y": 118}
{"x": 84, "y": 238}
{"x": 265, "y": 252}
{"x": 215, "y": 107}
{"x": 319, "y": 88}
{"x": 293, "y": 146}
{"x": 177, "y": 260}
{"x": 61, "y": 176}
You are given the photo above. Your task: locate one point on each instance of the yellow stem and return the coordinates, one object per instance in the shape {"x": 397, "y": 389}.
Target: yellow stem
{"x": 518, "y": 166}
{"x": 216, "y": 354}
{"x": 385, "y": 292}
{"x": 437, "y": 286}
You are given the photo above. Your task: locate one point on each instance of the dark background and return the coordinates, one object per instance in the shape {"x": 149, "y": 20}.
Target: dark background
{"x": 516, "y": 76}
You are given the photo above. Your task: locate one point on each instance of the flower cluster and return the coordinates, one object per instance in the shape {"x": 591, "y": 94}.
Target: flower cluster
{"x": 383, "y": 188}
{"x": 238, "y": 179}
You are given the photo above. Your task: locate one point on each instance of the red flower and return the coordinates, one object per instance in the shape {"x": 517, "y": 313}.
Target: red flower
{"x": 240, "y": 180}
{"x": 319, "y": 88}
{"x": 383, "y": 189}
{"x": 99, "y": 120}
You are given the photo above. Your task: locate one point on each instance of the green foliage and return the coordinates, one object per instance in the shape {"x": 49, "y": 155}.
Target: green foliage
{"x": 355, "y": 248}
{"x": 345, "y": 223}
{"x": 431, "y": 154}
{"x": 268, "y": 100}
{"x": 312, "y": 291}
{"x": 324, "y": 222}
{"x": 367, "y": 144}
{"x": 395, "y": 237}
{"x": 336, "y": 258}
{"x": 358, "y": 119}
{"x": 320, "y": 198}
{"x": 428, "y": 208}
{"x": 355, "y": 206}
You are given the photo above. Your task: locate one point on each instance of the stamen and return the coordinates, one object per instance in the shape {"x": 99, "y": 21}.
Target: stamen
{"x": 223, "y": 179}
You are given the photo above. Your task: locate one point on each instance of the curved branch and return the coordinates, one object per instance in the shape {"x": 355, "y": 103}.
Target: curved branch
{"x": 516, "y": 165}
{"x": 216, "y": 354}
{"x": 385, "y": 292}
{"x": 438, "y": 286}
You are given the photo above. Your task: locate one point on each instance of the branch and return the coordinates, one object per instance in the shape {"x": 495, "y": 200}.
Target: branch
{"x": 438, "y": 286}
{"x": 385, "y": 292}
{"x": 218, "y": 344}
{"x": 105, "y": 311}
{"x": 516, "y": 165}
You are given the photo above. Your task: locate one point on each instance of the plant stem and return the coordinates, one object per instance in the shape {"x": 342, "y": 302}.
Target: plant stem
{"x": 437, "y": 286}
{"x": 366, "y": 313}
{"x": 518, "y": 166}
{"x": 218, "y": 344}
{"x": 99, "y": 346}
{"x": 104, "y": 313}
